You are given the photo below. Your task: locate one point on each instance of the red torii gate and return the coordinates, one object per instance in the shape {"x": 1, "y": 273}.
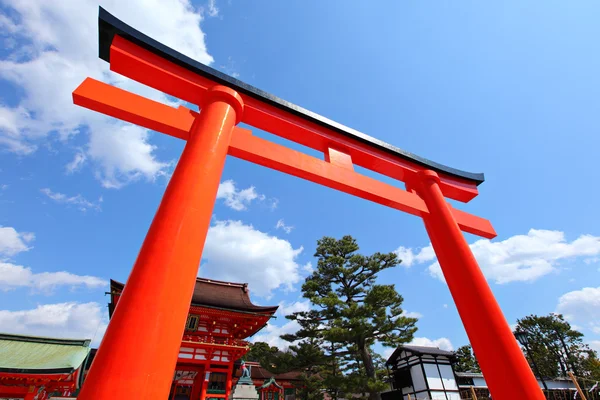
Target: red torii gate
{"x": 138, "y": 354}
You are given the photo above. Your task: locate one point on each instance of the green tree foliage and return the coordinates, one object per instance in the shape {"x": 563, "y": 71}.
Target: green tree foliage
{"x": 309, "y": 387}
{"x": 271, "y": 358}
{"x": 305, "y": 357}
{"x": 557, "y": 348}
{"x": 591, "y": 366}
{"x": 465, "y": 360}
{"x": 259, "y": 352}
{"x": 351, "y": 313}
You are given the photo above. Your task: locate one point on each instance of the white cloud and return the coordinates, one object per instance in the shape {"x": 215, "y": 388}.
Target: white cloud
{"x": 595, "y": 345}
{"x": 27, "y": 236}
{"x": 412, "y": 314}
{"x": 520, "y": 257}
{"x": 78, "y": 160}
{"x": 65, "y": 320}
{"x": 57, "y": 51}
{"x": 212, "y": 10}
{"x": 78, "y": 200}
{"x": 4, "y": 186}
{"x": 281, "y": 225}
{"x": 410, "y": 257}
{"x": 308, "y": 268}
{"x": 16, "y": 276}
{"x": 13, "y": 242}
{"x": 271, "y": 334}
{"x": 443, "y": 343}
{"x": 290, "y": 308}
{"x": 125, "y": 154}
{"x": 581, "y": 307}
{"x": 237, "y": 199}
{"x": 445, "y": 306}
{"x": 238, "y": 252}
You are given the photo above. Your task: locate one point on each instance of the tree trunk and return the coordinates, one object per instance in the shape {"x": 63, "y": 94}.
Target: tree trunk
{"x": 367, "y": 360}
{"x": 334, "y": 361}
{"x": 568, "y": 355}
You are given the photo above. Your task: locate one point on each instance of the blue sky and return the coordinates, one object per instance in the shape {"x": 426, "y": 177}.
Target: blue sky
{"x": 508, "y": 89}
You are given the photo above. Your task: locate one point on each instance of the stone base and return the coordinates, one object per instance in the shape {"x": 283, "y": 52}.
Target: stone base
{"x": 244, "y": 392}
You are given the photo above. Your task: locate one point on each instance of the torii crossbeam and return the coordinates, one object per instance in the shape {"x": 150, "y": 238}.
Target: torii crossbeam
{"x": 138, "y": 354}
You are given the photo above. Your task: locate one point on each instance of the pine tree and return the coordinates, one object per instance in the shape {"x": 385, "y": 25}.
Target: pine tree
{"x": 465, "y": 360}
{"x": 353, "y": 312}
{"x": 556, "y": 347}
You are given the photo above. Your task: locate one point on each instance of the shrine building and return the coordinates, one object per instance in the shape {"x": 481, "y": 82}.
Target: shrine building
{"x": 221, "y": 316}
{"x": 39, "y": 367}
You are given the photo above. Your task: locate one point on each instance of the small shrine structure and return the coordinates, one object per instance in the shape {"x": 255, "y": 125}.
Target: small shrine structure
{"x": 39, "y": 367}
{"x": 271, "y": 386}
{"x": 221, "y": 315}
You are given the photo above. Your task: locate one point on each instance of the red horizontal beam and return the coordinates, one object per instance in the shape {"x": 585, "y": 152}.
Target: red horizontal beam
{"x": 130, "y": 107}
{"x": 143, "y": 66}
{"x": 259, "y": 151}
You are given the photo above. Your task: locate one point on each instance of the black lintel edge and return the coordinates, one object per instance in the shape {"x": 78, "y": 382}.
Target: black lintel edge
{"x": 109, "y": 26}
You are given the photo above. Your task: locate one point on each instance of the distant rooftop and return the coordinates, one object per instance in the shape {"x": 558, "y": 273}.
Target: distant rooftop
{"x": 258, "y": 372}
{"x": 218, "y": 294}
{"x": 421, "y": 351}
{"x": 41, "y": 355}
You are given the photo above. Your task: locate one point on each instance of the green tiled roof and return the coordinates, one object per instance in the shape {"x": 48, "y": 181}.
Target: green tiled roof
{"x": 270, "y": 382}
{"x": 30, "y": 354}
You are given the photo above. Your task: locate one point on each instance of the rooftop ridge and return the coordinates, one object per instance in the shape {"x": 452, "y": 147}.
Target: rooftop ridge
{"x": 45, "y": 340}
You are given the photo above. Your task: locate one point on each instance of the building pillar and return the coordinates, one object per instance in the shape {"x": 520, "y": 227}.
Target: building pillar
{"x": 205, "y": 384}
{"x": 504, "y": 367}
{"x": 198, "y": 384}
{"x": 138, "y": 354}
{"x": 229, "y": 383}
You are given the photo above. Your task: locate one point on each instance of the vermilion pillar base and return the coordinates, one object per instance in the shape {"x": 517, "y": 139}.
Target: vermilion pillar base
{"x": 138, "y": 354}
{"x": 506, "y": 370}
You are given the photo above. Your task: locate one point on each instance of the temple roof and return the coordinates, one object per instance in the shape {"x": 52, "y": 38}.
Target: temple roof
{"x": 41, "y": 355}
{"x": 259, "y": 373}
{"x": 269, "y": 382}
{"x": 420, "y": 351}
{"x": 219, "y": 294}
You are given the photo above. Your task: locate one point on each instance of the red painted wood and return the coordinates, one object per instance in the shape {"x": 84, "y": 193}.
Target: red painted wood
{"x": 139, "y": 351}
{"x": 339, "y": 158}
{"x": 130, "y": 107}
{"x": 177, "y": 122}
{"x": 506, "y": 370}
{"x": 145, "y": 67}
{"x": 259, "y": 151}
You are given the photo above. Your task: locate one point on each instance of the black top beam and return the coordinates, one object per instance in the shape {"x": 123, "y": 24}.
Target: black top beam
{"x": 109, "y": 26}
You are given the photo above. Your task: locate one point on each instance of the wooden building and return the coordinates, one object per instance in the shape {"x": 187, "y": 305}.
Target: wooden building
{"x": 423, "y": 373}
{"x": 221, "y": 316}
{"x": 39, "y": 367}
{"x": 428, "y": 373}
